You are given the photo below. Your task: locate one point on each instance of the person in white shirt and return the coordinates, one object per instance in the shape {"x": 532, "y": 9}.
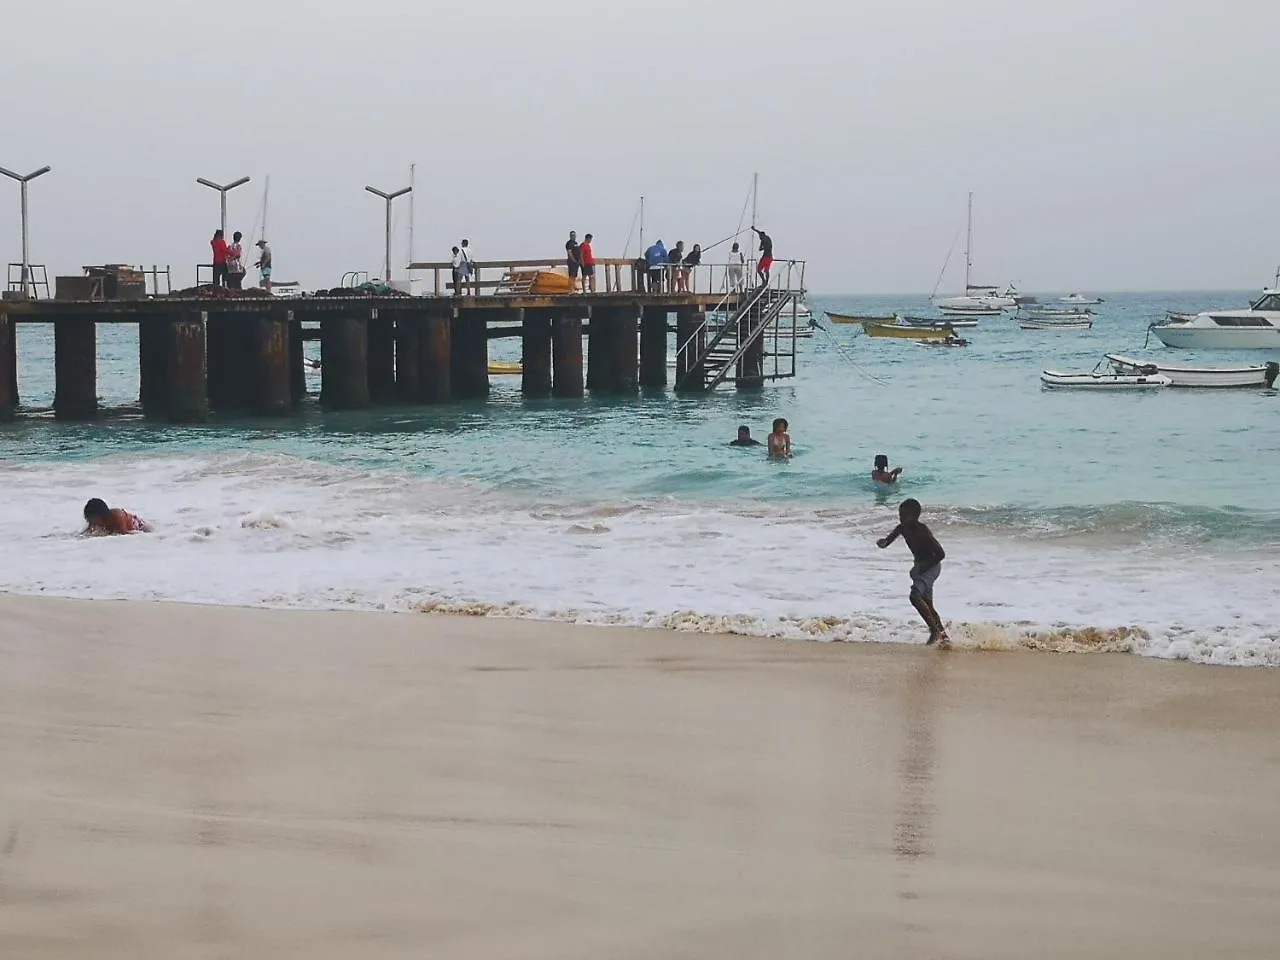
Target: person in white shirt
{"x": 736, "y": 268}
{"x": 456, "y": 264}
{"x": 467, "y": 265}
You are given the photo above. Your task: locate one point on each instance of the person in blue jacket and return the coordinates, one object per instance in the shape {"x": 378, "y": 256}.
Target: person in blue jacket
{"x": 656, "y": 259}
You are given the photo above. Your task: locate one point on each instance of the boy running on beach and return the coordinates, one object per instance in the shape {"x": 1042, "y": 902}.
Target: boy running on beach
{"x": 928, "y": 554}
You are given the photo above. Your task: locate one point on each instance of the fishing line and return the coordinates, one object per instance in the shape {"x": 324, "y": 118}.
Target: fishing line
{"x": 853, "y": 363}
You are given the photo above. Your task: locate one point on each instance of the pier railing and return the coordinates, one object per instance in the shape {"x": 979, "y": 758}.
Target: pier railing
{"x": 613, "y": 275}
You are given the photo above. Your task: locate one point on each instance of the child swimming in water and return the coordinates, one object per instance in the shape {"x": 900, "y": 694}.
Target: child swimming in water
{"x": 103, "y": 521}
{"x": 780, "y": 440}
{"x": 881, "y": 472}
{"x": 928, "y": 554}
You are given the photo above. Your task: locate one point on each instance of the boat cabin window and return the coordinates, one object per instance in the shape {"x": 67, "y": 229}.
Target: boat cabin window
{"x": 1270, "y": 301}
{"x": 1241, "y": 321}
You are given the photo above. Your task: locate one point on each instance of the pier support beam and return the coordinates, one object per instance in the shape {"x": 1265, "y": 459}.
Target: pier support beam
{"x": 470, "y": 363}
{"x": 620, "y": 326}
{"x": 535, "y": 380}
{"x": 690, "y": 377}
{"x": 75, "y": 363}
{"x": 229, "y": 355}
{"x": 382, "y": 359}
{"x": 185, "y": 383}
{"x": 270, "y": 393}
{"x": 566, "y": 353}
{"x": 8, "y": 367}
{"x": 153, "y": 366}
{"x": 297, "y": 360}
{"x": 750, "y": 368}
{"x": 408, "y": 335}
{"x": 344, "y": 363}
{"x": 435, "y": 357}
{"x": 653, "y": 347}
{"x": 600, "y": 349}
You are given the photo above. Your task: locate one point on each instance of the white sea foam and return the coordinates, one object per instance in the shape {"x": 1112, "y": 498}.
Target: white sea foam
{"x": 274, "y": 530}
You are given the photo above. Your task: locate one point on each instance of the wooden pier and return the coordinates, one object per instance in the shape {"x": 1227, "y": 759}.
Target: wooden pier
{"x": 242, "y": 354}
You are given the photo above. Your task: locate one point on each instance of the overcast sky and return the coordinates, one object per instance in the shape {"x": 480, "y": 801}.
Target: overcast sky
{"x": 1110, "y": 145}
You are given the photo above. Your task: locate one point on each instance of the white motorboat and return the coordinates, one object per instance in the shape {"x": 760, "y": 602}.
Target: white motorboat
{"x": 1102, "y": 380}
{"x": 1257, "y": 328}
{"x": 977, "y": 297}
{"x": 1080, "y": 300}
{"x": 1260, "y": 375}
{"x": 1055, "y": 323}
{"x": 963, "y": 321}
{"x": 1055, "y": 313}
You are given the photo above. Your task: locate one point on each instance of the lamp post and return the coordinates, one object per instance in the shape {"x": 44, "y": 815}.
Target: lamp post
{"x": 223, "y": 190}
{"x": 389, "y": 197}
{"x": 26, "y": 256}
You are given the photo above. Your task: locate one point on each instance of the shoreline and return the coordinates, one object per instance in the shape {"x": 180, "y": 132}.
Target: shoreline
{"x": 184, "y": 780}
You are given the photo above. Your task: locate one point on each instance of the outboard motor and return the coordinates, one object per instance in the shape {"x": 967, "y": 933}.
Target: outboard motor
{"x": 1270, "y": 372}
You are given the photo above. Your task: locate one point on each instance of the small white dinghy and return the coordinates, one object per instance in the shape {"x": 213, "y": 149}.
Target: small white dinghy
{"x": 1102, "y": 378}
{"x": 1261, "y": 375}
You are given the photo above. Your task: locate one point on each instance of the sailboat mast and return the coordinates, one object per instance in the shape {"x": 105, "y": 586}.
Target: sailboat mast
{"x": 968, "y": 247}
{"x": 642, "y": 246}
{"x": 266, "y": 193}
{"x": 413, "y": 170}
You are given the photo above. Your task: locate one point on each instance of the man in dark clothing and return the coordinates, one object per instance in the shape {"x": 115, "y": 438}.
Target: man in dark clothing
{"x": 928, "y": 554}
{"x": 573, "y": 257}
{"x": 766, "y": 257}
{"x": 744, "y": 438}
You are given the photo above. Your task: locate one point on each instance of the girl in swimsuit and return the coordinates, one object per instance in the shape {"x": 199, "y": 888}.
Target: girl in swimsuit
{"x": 102, "y": 520}
{"x": 780, "y": 440}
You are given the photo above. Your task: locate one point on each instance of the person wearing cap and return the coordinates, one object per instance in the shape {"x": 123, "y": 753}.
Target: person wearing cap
{"x": 263, "y": 264}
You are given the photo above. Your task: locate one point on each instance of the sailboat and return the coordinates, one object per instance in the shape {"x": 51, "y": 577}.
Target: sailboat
{"x": 978, "y": 299}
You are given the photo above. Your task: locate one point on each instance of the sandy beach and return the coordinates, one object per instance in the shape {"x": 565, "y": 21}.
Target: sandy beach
{"x": 205, "y": 782}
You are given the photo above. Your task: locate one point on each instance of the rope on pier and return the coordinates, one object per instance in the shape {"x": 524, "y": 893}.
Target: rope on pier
{"x": 853, "y": 363}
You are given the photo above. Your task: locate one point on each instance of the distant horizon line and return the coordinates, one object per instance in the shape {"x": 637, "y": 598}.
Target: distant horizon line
{"x": 1064, "y": 292}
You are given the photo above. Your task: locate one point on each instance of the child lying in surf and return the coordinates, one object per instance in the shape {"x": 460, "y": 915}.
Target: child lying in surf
{"x": 881, "y": 472}
{"x": 103, "y": 521}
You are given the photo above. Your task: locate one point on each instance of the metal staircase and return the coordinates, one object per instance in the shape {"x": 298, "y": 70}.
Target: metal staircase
{"x": 720, "y": 349}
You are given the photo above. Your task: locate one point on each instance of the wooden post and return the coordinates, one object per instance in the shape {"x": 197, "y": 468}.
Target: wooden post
{"x": 535, "y": 380}
{"x": 382, "y": 359}
{"x": 625, "y": 344}
{"x": 344, "y": 363}
{"x": 153, "y": 366}
{"x": 270, "y": 393}
{"x": 435, "y": 357}
{"x": 75, "y": 363}
{"x": 566, "y": 353}
{"x": 408, "y": 336}
{"x": 297, "y": 360}
{"x": 470, "y": 363}
{"x": 600, "y": 349}
{"x": 690, "y": 376}
{"x": 8, "y": 367}
{"x": 750, "y": 367}
{"x": 188, "y": 398}
{"x": 653, "y": 347}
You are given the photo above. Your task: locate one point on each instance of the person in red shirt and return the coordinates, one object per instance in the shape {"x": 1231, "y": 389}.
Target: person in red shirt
{"x": 588, "y": 264}
{"x": 220, "y": 256}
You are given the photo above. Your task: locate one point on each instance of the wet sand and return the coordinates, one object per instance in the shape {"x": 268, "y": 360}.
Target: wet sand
{"x": 182, "y": 782}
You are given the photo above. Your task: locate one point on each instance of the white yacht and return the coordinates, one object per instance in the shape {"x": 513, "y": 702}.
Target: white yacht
{"x": 1080, "y": 300}
{"x": 977, "y": 297}
{"x": 1257, "y": 328}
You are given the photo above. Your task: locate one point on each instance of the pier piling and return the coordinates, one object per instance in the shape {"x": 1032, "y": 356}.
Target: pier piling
{"x": 153, "y": 369}
{"x": 689, "y": 327}
{"x": 382, "y": 359}
{"x": 75, "y": 362}
{"x": 620, "y": 341}
{"x": 270, "y": 392}
{"x": 653, "y": 347}
{"x": 188, "y": 399}
{"x": 344, "y": 363}
{"x": 566, "y": 353}
{"x": 470, "y": 361}
{"x": 408, "y": 334}
{"x": 435, "y": 357}
{"x": 535, "y": 340}
{"x": 297, "y": 360}
{"x": 229, "y": 357}
{"x": 8, "y": 367}
{"x": 750, "y": 367}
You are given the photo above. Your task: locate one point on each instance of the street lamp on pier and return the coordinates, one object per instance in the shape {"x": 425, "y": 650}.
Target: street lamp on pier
{"x": 223, "y": 190}
{"x": 27, "y": 286}
{"x": 389, "y": 197}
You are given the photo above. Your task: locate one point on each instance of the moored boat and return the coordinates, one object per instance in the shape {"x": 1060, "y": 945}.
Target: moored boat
{"x": 854, "y": 318}
{"x": 953, "y": 307}
{"x": 1076, "y": 323}
{"x": 904, "y": 332}
{"x": 499, "y": 368}
{"x": 1080, "y": 300}
{"x": 1257, "y": 328}
{"x": 1101, "y": 380}
{"x": 956, "y": 323}
{"x": 944, "y": 342}
{"x": 1260, "y": 375}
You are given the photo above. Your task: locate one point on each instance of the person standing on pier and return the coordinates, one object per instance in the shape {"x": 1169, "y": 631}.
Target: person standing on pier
{"x": 766, "y": 257}
{"x": 736, "y": 269}
{"x": 468, "y": 266}
{"x": 455, "y": 265}
{"x": 573, "y": 258}
{"x": 588, "y": 264}
{"x": 656, "y": 258}
{"x": 235, "y": 263}
{"x": 220, "y": 252}
{"x": 692, "y": 261}
{"x": 264, "y": 265}
{"x": 674, "y": 272}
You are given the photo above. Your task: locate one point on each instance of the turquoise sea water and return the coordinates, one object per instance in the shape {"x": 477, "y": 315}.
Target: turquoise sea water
{"x": 985, "y": 448}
